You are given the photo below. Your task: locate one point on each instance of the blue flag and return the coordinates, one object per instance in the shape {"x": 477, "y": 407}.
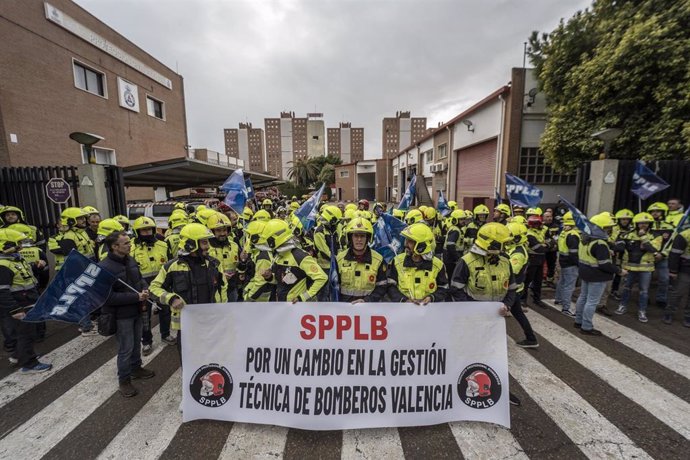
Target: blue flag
{"x": 79, "y": 288}
{"x": 498, "y": 198}
{"x": 522, "y": 193}
{"x": 583, "y": 224}
{"x": 236, "y": 191}
{"x": 409, "y": 195}
{"x": 333, "y": 280}
{"x": 249, "y": 187}
{"x": 308, "y": 211}
{"x": 443, "y": 205}
{"x": 645, "y": 182}
{"x": 387, "y": 239}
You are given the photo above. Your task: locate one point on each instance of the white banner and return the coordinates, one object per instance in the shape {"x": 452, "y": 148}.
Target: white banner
{"x": 341, "y": 366}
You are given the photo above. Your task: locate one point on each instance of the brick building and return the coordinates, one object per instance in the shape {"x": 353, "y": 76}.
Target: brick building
{"x": 247, "y": 144}
{"x": 289, "y": 138}
{"x": 346, "y": 142}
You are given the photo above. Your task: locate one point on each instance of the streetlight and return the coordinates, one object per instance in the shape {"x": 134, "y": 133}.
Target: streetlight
{"x": 87, "y": 140}
{"x": 607, "y": 135}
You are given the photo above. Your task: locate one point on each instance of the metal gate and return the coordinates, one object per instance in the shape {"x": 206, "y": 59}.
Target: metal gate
{"x": 675, "y": 172}
{"x": 25, "y": 187}
{"x": 115, "y": 185}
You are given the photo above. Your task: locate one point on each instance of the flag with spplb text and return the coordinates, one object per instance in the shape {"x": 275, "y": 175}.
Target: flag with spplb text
{"x": 645, "y": 182}
{"x": 522, "y": 193}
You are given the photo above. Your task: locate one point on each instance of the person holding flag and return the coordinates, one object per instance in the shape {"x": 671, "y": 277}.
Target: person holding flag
{"x": 661, "y": 228}
{"x": 675, "y": 211}
{"x": 361, "y": 271}
{"x": 18, "y": 291}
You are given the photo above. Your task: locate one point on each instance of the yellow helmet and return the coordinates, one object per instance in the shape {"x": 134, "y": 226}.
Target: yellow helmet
{"x": 534, "y": 212}
{"x": 180, "y": 206}
{"x": 267, "y": 202}
{"x": 423, "y": 237}
{"x": 413, "y": 216}
{"x": 177, "y": 219}
{"x": 14, "y": 209}
{"x": 518, "y": 232}
{"x": 503, "y": 209}
{"x": 25, "y": 229}
{"x": 296, "y": 225}
{"x": 453, "y": 205}
{"x": 429, "y": 214}
{"x": 399, "y": 214}
{"x": 643, "y": 218}
{"x": 349, "y": 214}
{"x": 422, "y": 208}
{"x": 247, "y": 213}
{"x": 218, "y": 220}
{"x": 201, "y": 207}
{"x": 568, "y": 219}
{"x": 262, "y": 215}
{"x": 203, "y": 215}
{"x": 143, "y": 222}
{"x": 456, "y": 216}
{"x": 122, "y": 219}
{"x": 10, "y": 239}
{"x": 481, "y": 209}
{"x": 191, "y": 234}
{"x": 108, "y": 226}
{"x": 624, "y": 214}
{"x": 68, "y": 217}
{"x": 603, "y": 220}
{"x": 90, "y": 210}
{"x": 276, "y": 233}
{"x": 254, "y": 230}
{"x": 658, "y": 206}
{"x": 359, "y": 225}
{"x": 492, "y": 236}
{"x": 351, "y": 206}
{"x": 294, "y": 206}
{"x": 331, "y": 214}
{"x": 518, "y": 219}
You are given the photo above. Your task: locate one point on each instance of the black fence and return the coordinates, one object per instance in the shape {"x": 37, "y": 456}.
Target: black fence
{"x": 25, "y": 187}
{"x": 675, "y": 172}
{"x": 115, "y": 185}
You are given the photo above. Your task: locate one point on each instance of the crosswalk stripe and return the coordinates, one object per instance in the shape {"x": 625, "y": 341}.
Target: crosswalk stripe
{"x": 247, "y": 440}
{"x": 371, "y": 443}
{"x": 474, "y": 437}
{"x": 588, "y": 429}
{"x": 671, "y": 359}
{"x": 149, "y": 432}
{"x": 17, "y": 383}
{"x": 38, "y": 435}
{"x": 662, "y": 404}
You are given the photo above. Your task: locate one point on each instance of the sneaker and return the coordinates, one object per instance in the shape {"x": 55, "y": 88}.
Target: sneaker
{"x": 39, "y": 367}
{"x": 568, "y": 313}
{"x": 528, "y": 344}
{"x": 89, "y": 333}
{"x": 577, "y": 325}
{"x": 642, "y": 317}
{"x": 590, "y": 332}
{"x": 127, "y": 389}
{"x": 668, "y": 319}
{"x": 621, "y": 310}
{"x": 604, "y": 311}
{"x": 514, "y": 400}
{"x": 13, "y": 361}
{"x": 170, "y": 340}
{"x": 142, "y": 373}
{"x": 146, "y": 350}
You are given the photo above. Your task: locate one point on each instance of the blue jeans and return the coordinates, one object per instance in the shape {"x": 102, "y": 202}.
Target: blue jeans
{"x": 643, "y": 279}
{"x": 566, "y": 286}
{"x": 586, "y": 305}
{"x": 661, "y": 269}
{"x": 163, "y": 322}
{"x": 128, "y": 346}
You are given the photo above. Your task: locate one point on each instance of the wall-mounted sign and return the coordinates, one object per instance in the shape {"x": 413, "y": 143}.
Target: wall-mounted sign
{"x": 128, "y": 94}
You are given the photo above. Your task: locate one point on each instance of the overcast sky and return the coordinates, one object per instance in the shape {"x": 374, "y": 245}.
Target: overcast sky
{"x": 352, "y": 60}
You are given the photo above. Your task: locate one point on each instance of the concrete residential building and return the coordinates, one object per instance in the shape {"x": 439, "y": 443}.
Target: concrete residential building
{"x": 399, "y": 132}
{"x": 66, "y": 71}
{"x": 346, "y": 142}
{"x": 316, "y": 135}
{"x": 247, "y": 144}
{"x": 286, "y": 141}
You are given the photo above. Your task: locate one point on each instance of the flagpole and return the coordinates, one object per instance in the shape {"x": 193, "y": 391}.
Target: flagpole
{"x": 639, "y": 204}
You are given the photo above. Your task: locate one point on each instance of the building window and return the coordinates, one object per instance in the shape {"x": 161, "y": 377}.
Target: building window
{"x": 89, "y": 79}
{"x": 103, "y": 156}
{"x": 429, "y": 156}
{"x": 533, "y": 168}
{"x": 345, "y": 173}
{"x": 155, "y": 108}
{"x": 441, "y": 150}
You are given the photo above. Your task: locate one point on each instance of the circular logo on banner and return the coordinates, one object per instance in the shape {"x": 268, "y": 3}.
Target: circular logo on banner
{"x": 211, "y": 385}
{"x": 479, "y": 386}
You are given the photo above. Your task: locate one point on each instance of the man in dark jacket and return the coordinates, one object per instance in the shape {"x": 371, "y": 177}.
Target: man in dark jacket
{"x": 126, "y": 305}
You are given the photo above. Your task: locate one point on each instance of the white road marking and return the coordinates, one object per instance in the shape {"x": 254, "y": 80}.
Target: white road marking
{"x": 149, "y": 432}
{"x": 591, "y": 432}
{"x": 474, "y": 437}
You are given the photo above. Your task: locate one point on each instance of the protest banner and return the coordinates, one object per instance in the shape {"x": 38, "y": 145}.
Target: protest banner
{"x": 339, "y": 366}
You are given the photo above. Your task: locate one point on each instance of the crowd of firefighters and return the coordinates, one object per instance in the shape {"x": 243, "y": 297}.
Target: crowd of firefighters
{"x": 263, "y": 254}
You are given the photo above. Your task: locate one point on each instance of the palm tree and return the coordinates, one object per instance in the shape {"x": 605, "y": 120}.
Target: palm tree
{"x": 303, "y": 171}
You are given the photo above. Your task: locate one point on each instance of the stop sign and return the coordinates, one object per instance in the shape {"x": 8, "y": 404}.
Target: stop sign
{"x": 58, "y": 190}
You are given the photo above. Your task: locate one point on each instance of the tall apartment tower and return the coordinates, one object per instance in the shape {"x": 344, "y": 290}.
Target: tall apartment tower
{"x": 399, "y": 132}
{"x": 346, "y": 143}
{"x": 289, "y": 138}
{"x": 247, "y": 143}
{"x": 316, "y": 135}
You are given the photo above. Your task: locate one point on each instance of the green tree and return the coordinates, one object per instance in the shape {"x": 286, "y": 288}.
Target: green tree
{"x": 618, "y": 64}
{"x": 327, "y": 174}
{"x": 303, "y": 171}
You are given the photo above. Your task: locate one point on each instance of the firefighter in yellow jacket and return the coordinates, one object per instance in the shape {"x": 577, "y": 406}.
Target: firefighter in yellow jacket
{"x": 416, "y": 275}
{"x": 297, "y": 274}
{"x": 226, "y": 252}
{"x": 261, "y": 284}
{"x": 361, "y": 270}
{"x": 191, "y": 278}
